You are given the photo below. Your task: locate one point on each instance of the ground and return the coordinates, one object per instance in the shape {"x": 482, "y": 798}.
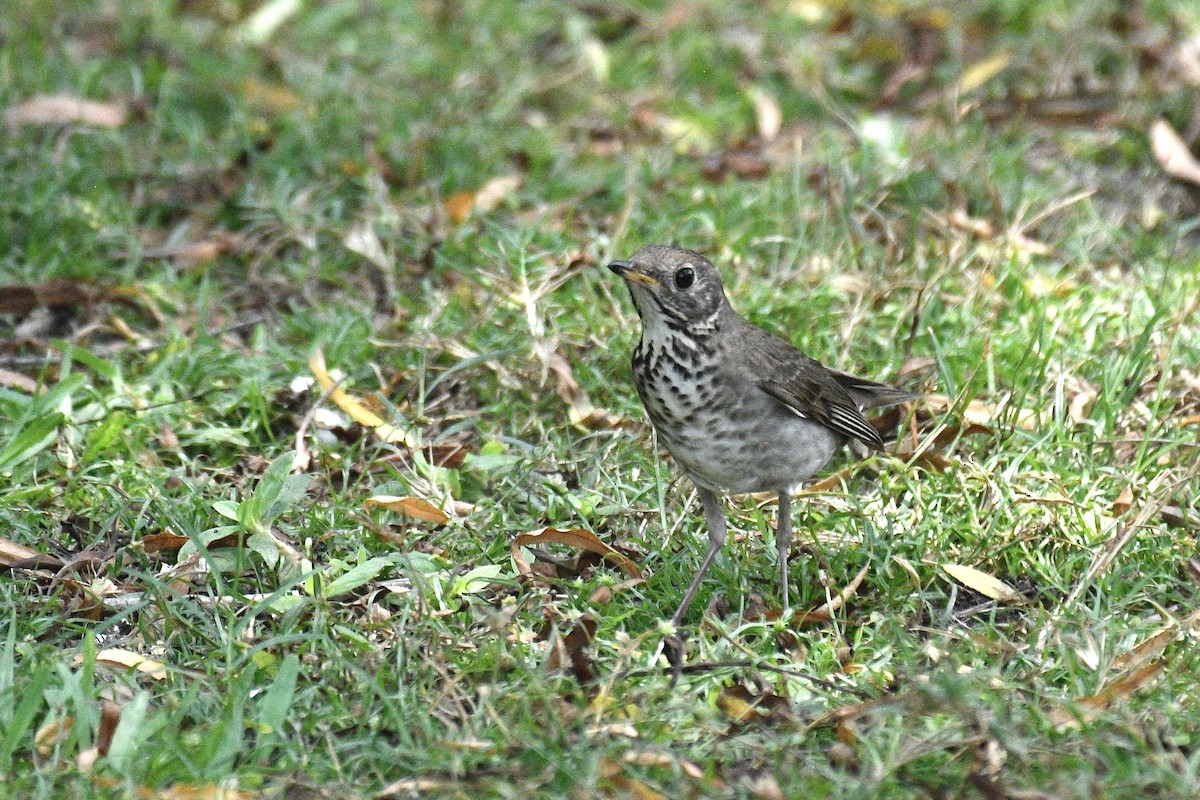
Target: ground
{"x": 321, "y": 469}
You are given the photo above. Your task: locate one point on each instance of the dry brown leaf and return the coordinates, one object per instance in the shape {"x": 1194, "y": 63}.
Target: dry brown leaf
{"x": 825, "y": 612}
{"x": 408, "y": 787}
{"x": 1172, "y": 153}
{"x": 110, "y": 715}
{"x": 979, "y": 228}
{"x": 579, "y": 406}
{"x": 198, "y": 252}
{"x": 979, "y": 581}
{"x": 62, "y": 109}
{"x": 747, "y": 164}
{"x": 981, "y": 412}
{"x": 1092, "y": 706}
{"x": 13, "y": 553}
{"x": 742, "y": 705}
{"x": 21, "y": 298}
{"x": 206, "y": 791}
{"x": 569, "y": 652}
{"x": 1123, "y": 502}
{"x": 614, "y": 774}
{"x": 165, "y": 541}
{"x": 575, "y": 537}
{"x": 829, "y": 483}
{"x": 1153, "y": 646}
{"x": 458, "y": 205}
{"x": 413, "y": 507}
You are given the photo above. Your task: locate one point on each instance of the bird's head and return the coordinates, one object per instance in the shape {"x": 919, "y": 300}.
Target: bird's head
{"x": 673, "y": 287}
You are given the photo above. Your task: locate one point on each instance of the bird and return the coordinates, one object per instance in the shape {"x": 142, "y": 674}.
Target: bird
{"x": 739, "y": 409}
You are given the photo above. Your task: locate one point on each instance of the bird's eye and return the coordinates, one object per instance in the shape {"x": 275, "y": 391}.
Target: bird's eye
{"x": 685, "y": 277}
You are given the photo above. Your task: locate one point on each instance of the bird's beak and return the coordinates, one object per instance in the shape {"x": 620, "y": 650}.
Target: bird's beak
{"x": 627, "y": 271}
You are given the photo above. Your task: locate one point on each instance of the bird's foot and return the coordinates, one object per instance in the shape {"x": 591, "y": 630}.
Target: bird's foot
{"x": 673, "y": 650}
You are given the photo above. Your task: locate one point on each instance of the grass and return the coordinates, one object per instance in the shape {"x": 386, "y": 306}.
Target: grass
{"x": 279, "y": 189}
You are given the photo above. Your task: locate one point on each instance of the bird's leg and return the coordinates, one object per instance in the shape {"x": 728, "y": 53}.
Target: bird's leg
{"x": 783, "y": 542}
{"x": 714, "y": 517}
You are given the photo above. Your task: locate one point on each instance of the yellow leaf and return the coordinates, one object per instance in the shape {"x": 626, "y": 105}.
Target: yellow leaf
{"x": 413, "y": 507}
{"x": 114, "y": 657}
{"x": 355, "y": 409}
{"x": 983, "y": 71}
{"x": 736, "y": 707}
{"x": 986, "y": 585}
{"x": 459, "y": 205}
{"x": 269, "y": 97}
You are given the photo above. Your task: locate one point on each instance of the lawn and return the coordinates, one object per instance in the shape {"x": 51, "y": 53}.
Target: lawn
{"x": 322, "y": 473}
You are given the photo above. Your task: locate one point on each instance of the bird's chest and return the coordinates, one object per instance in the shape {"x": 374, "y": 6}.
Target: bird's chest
{"x": 679, "y": 384}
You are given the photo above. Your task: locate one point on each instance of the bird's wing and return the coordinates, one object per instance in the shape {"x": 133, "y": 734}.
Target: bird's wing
{"x": 869, "y": 394}
{"x": 816, "y": 396}
{"x": 830, "y": 398}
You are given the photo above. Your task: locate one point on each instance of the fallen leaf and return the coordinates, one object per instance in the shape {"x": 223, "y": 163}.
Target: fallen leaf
{"x": 1172, "y": 153}
{"x": 613, "y": 774}
{"x": 495, "y": 192}
{"x": 355, "y": 409}
{"x": 1123, "y": 502}
{"x": 269, "y": 97}
{"x": 193, "y": 254}
{"x": 1153, "y": 646}
{"x": 110, "y": 715}
{"x": 981, "y": 412}
{"x": 48, "y": 736}
{"x": 165, "y": 541}
{"x": 1080, "y": 404}
{"x": 748, "y": 164}
{"x": 458, "y": 205}
{"x": 742, "y": 705}
{"x": 736, "y": 707}
{"x": 981, "y": 582}
{"x": 766, "y": 113}
{"x": 575, "y": 537}
{"x": 62, "y": 109}
{"x": 115, "y": 657}
{"x": 461, "y": 205}
{"x": 1088, "y": 708}
{"x": 15, "y": 380}
{"x": 13, "y": 553}
{"x": 825, "y": 612}
{"x": 983, "y": 71}
{"x": 21, "y": 298}
{"x": 413, "y": 507}
{"x": 569, "y": 652}
{"x": 363, "y": 240}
